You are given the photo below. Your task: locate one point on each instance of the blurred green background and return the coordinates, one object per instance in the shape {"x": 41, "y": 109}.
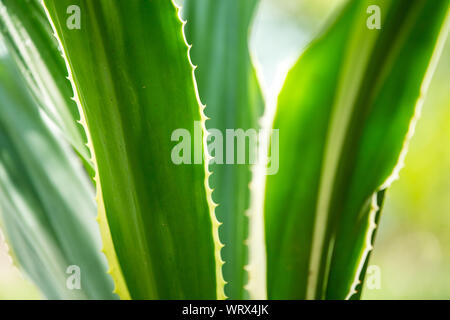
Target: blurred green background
{"x": 412, "y": 248}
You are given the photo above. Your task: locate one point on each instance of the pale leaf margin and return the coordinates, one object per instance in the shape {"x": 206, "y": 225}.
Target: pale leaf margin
{"x": 114, "y": 270}
{"x": 439, "y": 46}
{"x": 220, "y": 281}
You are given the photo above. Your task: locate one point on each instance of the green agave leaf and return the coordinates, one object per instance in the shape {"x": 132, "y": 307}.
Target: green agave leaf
{"x": 218, "y": 32}
{"x": 47, "y": 208}
{"x": 134, "y": 82}
{"x": 30, "y": 40}
{"x": 345, "y": 114}
{"x": 380, "y": 201}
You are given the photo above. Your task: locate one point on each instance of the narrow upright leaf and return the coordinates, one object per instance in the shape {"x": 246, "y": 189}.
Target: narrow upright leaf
{"x": 218, "y": 32}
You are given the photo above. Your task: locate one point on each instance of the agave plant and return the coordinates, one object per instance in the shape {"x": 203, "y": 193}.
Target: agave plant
{"x": 92, "y": 92}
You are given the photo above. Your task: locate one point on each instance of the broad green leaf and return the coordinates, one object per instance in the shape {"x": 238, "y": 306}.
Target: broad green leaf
{"x": 47, "y": 208}
{"x": 345, "y": 114}
{"x": 218, "y": 32}
{"x": 29, "y": 37}
{"x": 133, "y": 80}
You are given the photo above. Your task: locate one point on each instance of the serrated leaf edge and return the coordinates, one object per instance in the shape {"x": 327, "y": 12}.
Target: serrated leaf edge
{"x": 439, "y": 47}
{"x": 220, "y": 281}
{"x": 108, "y": 250}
